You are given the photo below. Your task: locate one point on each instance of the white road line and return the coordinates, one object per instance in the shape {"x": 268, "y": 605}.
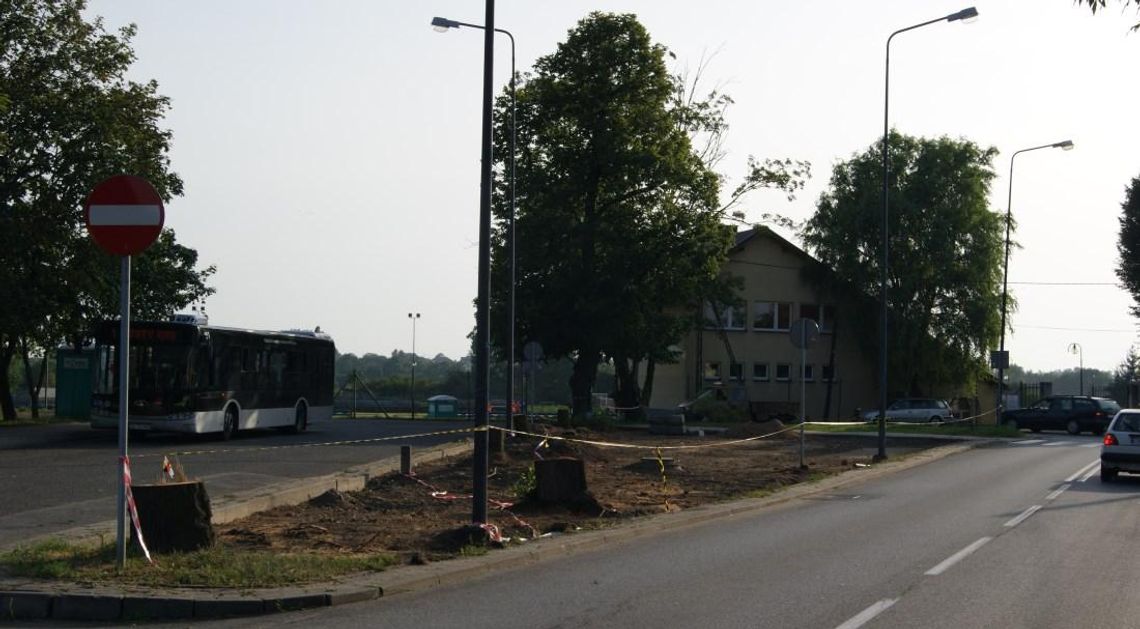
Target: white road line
{"x": 1091, "y": 445}
{"x": 956, "y": 557}
{"x": 1024, "y": 514}
{"x": 1081, "y": 471}
{"x": 1091, "y": 473}
{"x": 1058, "y": 492}
{"x": 1054, "y": 443}
{"x": 1026, "y": 442}
{"x": 866, "y": 615}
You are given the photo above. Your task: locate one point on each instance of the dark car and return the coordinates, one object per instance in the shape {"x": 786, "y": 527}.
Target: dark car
{"x": 1074, "y": 413}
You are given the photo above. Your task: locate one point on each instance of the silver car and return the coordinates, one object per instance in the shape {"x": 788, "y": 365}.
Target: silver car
{"x": 914, "y": 409}
{"x": 1120, "y": 450}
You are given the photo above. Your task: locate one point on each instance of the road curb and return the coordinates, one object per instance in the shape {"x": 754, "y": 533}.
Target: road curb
{"x": 29, "y": 601}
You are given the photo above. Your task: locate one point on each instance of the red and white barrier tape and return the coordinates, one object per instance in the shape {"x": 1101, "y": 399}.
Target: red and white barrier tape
{"x": 132, "y": 508}
{"x": 501, "y": 505}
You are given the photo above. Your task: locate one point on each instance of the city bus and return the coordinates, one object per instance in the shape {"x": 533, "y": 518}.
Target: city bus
{"x": 190, "y": 377}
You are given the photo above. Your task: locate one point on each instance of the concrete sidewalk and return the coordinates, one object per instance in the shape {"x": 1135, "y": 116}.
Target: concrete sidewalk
{"x": 27, "y": 599}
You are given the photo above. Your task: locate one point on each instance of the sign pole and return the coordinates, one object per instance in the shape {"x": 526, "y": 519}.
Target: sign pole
{"x": 803, "y": 390}
{"x": 124, "y": 387}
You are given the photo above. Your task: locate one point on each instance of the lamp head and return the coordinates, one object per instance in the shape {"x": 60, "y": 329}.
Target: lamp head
{"x": 442, "y": 24}
{"x": 965, "y": 15}
{"x": 1067, "y": 145}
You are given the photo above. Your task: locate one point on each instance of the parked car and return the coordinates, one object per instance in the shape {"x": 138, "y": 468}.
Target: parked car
{"x": 914, "y": 409}
{"x": 1120, "y": 450}
{"x": 1074, "y": 413}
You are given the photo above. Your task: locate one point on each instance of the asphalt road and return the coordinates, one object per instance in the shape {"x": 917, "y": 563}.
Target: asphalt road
{"x": 1017, "y": 535}
{"x": 61, "y": 476}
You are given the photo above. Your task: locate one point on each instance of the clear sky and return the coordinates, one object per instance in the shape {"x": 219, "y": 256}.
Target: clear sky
{"x": 330, "y": 150}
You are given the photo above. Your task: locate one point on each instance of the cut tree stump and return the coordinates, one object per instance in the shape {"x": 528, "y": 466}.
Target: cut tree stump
{"x": 175, "y": 517}
{"x": 560, "y": 479}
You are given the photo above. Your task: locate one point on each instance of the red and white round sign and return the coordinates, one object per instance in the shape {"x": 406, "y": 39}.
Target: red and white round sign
{"x": 124, "y": 215}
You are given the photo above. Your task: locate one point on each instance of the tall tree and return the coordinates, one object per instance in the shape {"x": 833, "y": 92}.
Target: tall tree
{"x": 70, "y": 118}
{"x": 944, "y": 279}
{"x": 613, "y": 202}
{"x": 1128, "y": 243}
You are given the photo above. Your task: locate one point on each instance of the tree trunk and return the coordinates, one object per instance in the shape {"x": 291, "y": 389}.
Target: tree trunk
{"x": 7, "y": 406}
{"x": 33, "y": 385}
{"x": 175, "y": 517}
{"x": 582, "y": 382}
{"x": 628, "y": 395}
{"x": 647, "y": 388}
{"x": 561, "y": 480}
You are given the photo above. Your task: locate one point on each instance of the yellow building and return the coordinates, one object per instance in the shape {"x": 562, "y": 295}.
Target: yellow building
{"x": 749, "y": 350}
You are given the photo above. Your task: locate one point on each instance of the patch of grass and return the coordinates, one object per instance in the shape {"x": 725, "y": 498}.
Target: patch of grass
{"x": 218, "y": 566}
{"x": 473, "y": 550}
{"x": 24, "y": 418}
{"x": 956, "y": 430}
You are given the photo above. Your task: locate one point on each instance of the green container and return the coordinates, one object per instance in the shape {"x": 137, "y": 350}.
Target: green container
{"x": 74, "y": 380}
{"x": 443, "y": 406}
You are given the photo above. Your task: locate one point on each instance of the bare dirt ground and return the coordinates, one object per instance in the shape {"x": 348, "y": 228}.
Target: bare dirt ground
{"x": 411, "y": 518}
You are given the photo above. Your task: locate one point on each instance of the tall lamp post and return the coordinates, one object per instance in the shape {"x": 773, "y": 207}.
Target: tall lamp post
{"x": 1075, "y": 348}
{"x": 966, "y": 15}
{"x": 443, "y": 25}
{"x": 1002, "y": 358}
{"x": 413, "y": 318}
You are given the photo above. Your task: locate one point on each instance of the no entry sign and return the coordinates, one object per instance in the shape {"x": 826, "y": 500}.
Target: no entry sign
{"x": 124, "y": 215}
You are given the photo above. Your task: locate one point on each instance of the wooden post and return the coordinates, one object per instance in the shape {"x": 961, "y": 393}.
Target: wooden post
{"x": 406, "y": 460}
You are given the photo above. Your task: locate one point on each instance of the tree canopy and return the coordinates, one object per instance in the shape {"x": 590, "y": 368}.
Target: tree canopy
{"x": 614, "y": 207}
{"x": 1128, "y": 243}
{"x": 944, "y": 279}
{"x": 618, "y": 230}
{"x": 70, "y": 118}
{"x": 1095, "y": 5}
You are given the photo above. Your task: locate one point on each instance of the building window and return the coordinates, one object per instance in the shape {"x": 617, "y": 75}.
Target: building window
{"x": 823, "y": 315}
{"x": 712, "y": 371}
{"x": 809, "y": 373}
{"x": 783, "y": 372}
{"x": 736, "y": 371}
{"x": 731, "y": 317}
{"x": 828, "y": 373}
{"x": 771, "y": 315}
{"x": 760, "y": 371}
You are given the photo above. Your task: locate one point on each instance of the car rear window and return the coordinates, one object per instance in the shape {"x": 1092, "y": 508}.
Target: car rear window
{"x": 1127, "y": 422}
{"x": 1109, "y": 406}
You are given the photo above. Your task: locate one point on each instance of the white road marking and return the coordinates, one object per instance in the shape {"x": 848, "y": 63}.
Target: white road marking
{"x": 1026, "y": 442}
{"x": 1091, "y": 445}
{"x": 866, "y": 615}
{"x": 1024, "y": 514}
{"x": 1091, "y": 473}
{"x": 956, "y": 557}
{"x": 1054, "y": 443}
{"x": 125, "y": 215}
{"x": 1058, "y": 492}
{"x": 1081, "y": 471}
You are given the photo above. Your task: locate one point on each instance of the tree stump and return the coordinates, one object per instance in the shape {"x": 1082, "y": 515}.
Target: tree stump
{"x": 175, "y": 517}
{"x": 561, "y": 480}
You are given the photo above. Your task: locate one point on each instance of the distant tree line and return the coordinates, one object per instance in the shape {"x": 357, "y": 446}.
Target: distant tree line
{"x": 390, "y": 377}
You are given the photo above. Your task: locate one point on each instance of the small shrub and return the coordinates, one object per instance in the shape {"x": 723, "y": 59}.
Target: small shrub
{"x": 526, "y": 483}
{"x": 564, "y": 418}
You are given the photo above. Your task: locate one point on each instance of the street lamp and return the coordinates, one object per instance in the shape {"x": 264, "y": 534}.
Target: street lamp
{"x": 442, "y": 25}
{"x": 1075, "y": 348}
{"x": 965, "y": 15}
{"x": 1002, "y": 358}
{"x": 414, "y": 318}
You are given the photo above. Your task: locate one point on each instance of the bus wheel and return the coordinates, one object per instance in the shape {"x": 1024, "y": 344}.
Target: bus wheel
{"x": 302, "y": 420}
{"x": 229, "y": 424}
